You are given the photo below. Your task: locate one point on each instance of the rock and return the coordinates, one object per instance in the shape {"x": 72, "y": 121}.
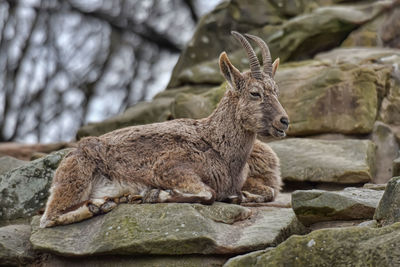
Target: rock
{"x": 8, "y": 163}
{"x": 396, "y": 167}
{"x": 170, "y": 229}
{"x": 298, "y": 38}
{"x": 312, "y": 206}
{"x": 388, "y": 210}
{"x": 15, "y": 248}
{"x": 335, "y": 161}
{"x": 352, "y": 246}
{"x": 326, "y": 97}
{"x": 387, "y": 151}
{"x": 375, "y": 186}
{"x": 381, "y": 32}
{"x": 141, "y": 113}
{"x": 24, "y": 190}
{"x": 188, "y": 105}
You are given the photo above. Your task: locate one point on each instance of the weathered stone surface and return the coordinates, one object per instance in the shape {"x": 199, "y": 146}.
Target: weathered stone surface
{"x": 8, "y": 163}
{"x": 188, "y": 105}
{"x": 339, "y": 161}
{"x": 352, "y": 203}
{"x": 352, "y": 246}
{"x": 15, "y": 248}
{"x": 24, "y": 190}
{"x": 298, "y": 38}
{"x": 396, "y": 167}
{"x": 325, "y": 97}
{"x": 388, "y": 210}
{"x": 142, "y": 113}
{"x": 170, "y": 229}
{"x": 387, "y": 151}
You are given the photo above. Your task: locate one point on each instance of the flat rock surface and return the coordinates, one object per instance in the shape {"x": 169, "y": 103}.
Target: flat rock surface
{"x": 337, "y": 161}
{"x": 170, "y": 229}
{"x": 352, "y": 246}
{"x": 312, "y": 206}
{"x": 15, "y": 248}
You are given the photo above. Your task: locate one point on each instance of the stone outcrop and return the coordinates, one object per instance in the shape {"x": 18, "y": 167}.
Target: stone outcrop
{"x": 336, "y": 161}
{"x": 312, "y": 206}
{"x": 388, "y": 210}
{"x": 24, "y": 190}
{"x": 15, "y": 248}
{"x": 353, "y": 246}
{"x": 170, "y": 229}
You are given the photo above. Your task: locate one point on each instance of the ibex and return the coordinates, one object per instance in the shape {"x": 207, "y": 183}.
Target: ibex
{"x": 183, "y": 160}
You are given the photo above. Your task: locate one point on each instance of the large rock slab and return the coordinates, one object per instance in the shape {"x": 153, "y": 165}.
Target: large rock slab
{"x": 170, "y": 229}
{"x": 388, "y": 210}
{"x": 24, "y": 190}
{"x": 312, "y": 206}
{"x": 15, "y": 248}
{"x": 336, "y": 161}
{"x": 353, "y": 246}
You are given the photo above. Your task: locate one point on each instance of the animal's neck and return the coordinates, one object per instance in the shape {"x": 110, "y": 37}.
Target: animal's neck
{"x": 227, "y": 134}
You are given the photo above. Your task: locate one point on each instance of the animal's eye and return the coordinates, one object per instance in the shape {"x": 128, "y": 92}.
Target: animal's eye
{"x": 255, "y": 94}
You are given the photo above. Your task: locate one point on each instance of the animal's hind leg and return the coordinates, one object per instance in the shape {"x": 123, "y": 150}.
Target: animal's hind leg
{"x": 182, "y": 185}
{"x": 70, "y": 191}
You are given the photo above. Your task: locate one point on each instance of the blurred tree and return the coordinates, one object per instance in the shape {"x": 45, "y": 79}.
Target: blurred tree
{"x": 64, "y": 63}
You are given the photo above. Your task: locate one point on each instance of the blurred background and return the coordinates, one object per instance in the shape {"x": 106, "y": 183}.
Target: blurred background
{"x": 64, "y": 63}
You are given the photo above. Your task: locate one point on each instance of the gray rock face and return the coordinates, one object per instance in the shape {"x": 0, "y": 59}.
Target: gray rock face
{"x": 15, "y": 248}
{"x": 352, "y": 203}
{"x": 170, "y": 229}
{"x": 8, "y": 163}
{"x": 24, "y": 190}
{"x": 388, "y": 210}
{"x": 387, "y": 151}
{"x": 339, "y": 161}
{"x": 353, "y": 246}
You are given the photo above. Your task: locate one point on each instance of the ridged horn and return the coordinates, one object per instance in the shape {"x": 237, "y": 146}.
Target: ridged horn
{"x": 266, "y": 55}
{"x": 255, "y": 67}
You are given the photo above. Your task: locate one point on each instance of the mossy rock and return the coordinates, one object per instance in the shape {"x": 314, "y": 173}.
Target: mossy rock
{"x": 170, "y": 229}
{"x": 24, "y": 190}
{"x": 352, "y": 246}
{"x": 388, "y": 210}
{"x": 336, "y": 161}
{"x": 312, "y": 206}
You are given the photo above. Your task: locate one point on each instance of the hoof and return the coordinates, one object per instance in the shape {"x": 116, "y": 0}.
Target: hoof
{"x": 44, "y": 223}
{"x": 93, "y": 209}
{"x": 106, "y": 207}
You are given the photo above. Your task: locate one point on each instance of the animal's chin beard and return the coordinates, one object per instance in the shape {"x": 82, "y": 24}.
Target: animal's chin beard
{"x": 272, "y": 132}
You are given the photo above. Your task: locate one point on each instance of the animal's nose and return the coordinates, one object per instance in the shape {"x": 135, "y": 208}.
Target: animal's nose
{"x": 285, "y": 121}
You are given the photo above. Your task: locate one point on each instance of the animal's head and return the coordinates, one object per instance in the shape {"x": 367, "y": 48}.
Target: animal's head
{"x": 258, "y": 108}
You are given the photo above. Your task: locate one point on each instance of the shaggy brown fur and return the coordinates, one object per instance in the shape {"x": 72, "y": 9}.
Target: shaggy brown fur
{"x": 182, "y": 160}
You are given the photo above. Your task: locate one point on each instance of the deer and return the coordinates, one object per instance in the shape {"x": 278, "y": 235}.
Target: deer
{"x": 183, "y": 160}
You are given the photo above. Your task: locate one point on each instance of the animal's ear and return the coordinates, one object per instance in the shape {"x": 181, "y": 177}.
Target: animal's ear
{"x": 231, "y": 74}
{"x": 275, "y": 66}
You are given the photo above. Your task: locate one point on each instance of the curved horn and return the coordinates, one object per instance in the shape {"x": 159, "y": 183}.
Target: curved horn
{"x": 254, "y": 64}
{"x": 266, "y": 55}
